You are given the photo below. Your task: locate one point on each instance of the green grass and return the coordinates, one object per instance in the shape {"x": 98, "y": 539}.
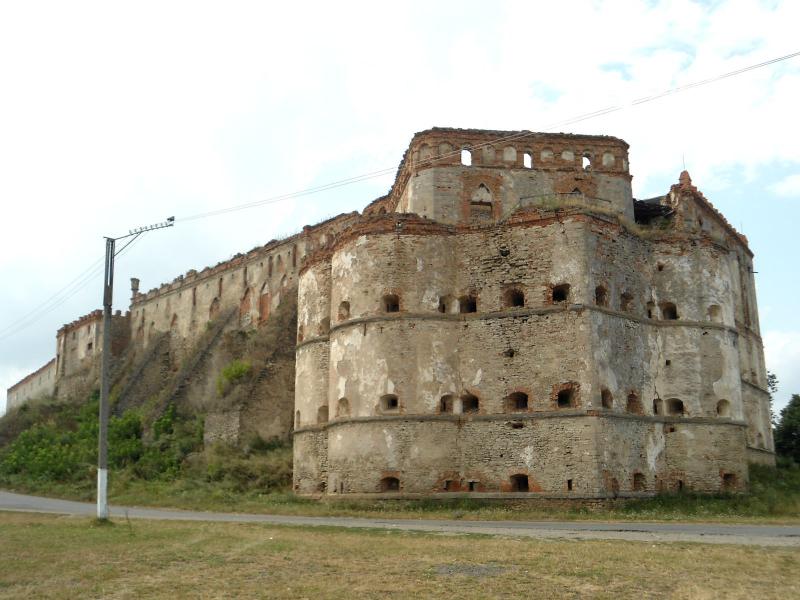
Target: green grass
{"x": 775, "y": 498}
{"x": 44, "y": 556}
{"x": 50, "y": 449}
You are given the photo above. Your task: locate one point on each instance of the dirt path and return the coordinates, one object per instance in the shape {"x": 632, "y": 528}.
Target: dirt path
{"x": 708, "y": 533}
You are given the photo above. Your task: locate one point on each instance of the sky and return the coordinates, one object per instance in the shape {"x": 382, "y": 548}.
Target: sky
{"x": 115, "y": 115}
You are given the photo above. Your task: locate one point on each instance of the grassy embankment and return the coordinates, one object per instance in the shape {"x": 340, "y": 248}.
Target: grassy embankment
{"x": 231, "y": 560}
{"x": 49, "y": 449}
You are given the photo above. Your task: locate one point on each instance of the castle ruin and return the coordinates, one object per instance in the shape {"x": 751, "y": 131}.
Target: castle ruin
{"x": 508, "y": 319}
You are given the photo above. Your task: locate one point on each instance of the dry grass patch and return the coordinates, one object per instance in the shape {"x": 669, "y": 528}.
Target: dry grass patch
{"x": 45, "y": 556}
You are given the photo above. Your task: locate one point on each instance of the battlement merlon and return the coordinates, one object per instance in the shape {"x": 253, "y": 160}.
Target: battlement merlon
{"x": 444, "y": 171}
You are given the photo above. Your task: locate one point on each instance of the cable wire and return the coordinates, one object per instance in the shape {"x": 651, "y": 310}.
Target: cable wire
{"x": 507, "y": 138}
{"x": 82, "y": 280}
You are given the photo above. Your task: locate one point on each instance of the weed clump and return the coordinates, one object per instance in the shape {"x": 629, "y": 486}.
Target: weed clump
{"x": 232, "y": 374}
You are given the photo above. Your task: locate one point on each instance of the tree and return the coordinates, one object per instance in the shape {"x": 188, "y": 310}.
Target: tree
{"x": 772, "y": 386}
{"x": 787, "y": 433}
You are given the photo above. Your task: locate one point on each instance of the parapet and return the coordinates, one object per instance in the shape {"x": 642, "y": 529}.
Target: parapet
{"x": 523, "y": 149}
{"x": 92, "y": 317}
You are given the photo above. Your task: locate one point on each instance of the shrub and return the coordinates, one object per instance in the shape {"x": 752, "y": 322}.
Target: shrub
{"x": 233, "y": 373}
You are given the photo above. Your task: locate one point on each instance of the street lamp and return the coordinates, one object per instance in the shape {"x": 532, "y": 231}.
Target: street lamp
{"x": 108, "y": 292}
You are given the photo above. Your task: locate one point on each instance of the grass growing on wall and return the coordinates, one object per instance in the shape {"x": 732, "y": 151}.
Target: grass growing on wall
{"x": 232, "y": 374}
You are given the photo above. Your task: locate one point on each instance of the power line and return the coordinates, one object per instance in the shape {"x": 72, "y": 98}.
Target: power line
{"x": 55, "y": 301}
{"x": 571, "y": 121}
{"x": 82, "y": 280}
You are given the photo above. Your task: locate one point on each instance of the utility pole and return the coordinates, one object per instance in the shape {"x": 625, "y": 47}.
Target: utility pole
{"x": 105, "y": 363}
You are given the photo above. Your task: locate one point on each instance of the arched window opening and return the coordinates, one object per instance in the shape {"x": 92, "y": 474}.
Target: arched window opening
{"x": 625, "y": 301}
{"x": 715, "y": 313}
{"x": 519, "y": 483}
{"x": 344, "y": 311}
{"x": 565, "y": 397}
{"x": 658, "y": 406}
{"x": 546, "y": 155}
{"x": 517, "y": 402}
{"x": 294, "y": 255}
{"x": 390, "y": 303}
{"x": 425, "y": 152}
{"x": 586, "y": 161}
{"x": 469, "y": 403}
{"x": 324, "y": 326}
{"x": 322, "y": 414}
{"x": 297, "y": 420}
{"x": 466, "y": 157}
{"x": 510, "y": 154}
{"x": 639, "y": 483}
{"x": 269, "y": 267}
{"x": 513, "y": 298}
{"x": 668, "y": 311}
{"x": 724, "y": 408}
{"x": 527, "y": 160}
{"x": 728, "y": 482}
{"x": 633, "y": 405}
{"x": 263, "y": 307}
{"x": 444, "y": 304}
{"x": 245, "y": 304}
{"x": 600, "y": 296}
{"x": 650, "y": 308}
{"x": 446, "y": 403}
{"x": 343, "y": 408}
{"x": 606, "y": 398}
{"x": 608, "y": 159}
{"x": 468, "y": 304}
{"x": 390, "y": 403}
{"x": 560, "y": 293}
{"x": 213, "y": 310}
{"x": 480, "y": 205}
{"x": 390, "y": 484}
{"x": 675, "y": 406}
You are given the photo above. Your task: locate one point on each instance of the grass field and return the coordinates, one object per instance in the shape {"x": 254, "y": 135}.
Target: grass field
{"x": 44, "y": 556}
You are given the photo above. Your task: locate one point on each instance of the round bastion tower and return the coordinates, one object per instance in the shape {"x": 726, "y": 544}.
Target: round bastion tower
{"x": 509, "y": 320}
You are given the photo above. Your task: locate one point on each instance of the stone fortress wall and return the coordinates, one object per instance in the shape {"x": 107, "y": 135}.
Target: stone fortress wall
{"x": 39, "y": 384}
{"x": 506, "y": 319}
{"x": 486, "y": 343}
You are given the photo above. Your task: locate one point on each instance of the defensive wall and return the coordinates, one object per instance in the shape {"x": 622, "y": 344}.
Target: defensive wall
{"x": 520, "y": 331}
{"x": 508, "y": 319}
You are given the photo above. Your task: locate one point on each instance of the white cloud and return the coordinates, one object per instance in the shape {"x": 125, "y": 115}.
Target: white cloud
{"x": 788, "y": 186}
{"x": 113, "y": 117}
{"x": 782, "y": 353}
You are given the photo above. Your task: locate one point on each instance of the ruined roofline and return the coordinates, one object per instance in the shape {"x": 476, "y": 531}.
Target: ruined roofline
{"x": 194, "y": 277}
{"x": 398, "y": 224}
{"x": 685, "y": 186}
{"x": 95, "y": 315}
{"x": 391, "y": 198}
{"x": 30, "y": 376}
{"x": 499, "y": 135}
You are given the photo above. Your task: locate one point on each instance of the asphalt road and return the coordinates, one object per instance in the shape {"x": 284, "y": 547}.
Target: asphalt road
{"x": 708, "y": 533}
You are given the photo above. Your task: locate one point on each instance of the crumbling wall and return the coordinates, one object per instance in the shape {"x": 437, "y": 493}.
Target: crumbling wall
{"x": 39, "y": 384}
{"x": 617, "y": 344}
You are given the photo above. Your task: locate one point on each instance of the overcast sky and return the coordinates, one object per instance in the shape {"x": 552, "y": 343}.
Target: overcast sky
{"x": 114, "y": 115}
